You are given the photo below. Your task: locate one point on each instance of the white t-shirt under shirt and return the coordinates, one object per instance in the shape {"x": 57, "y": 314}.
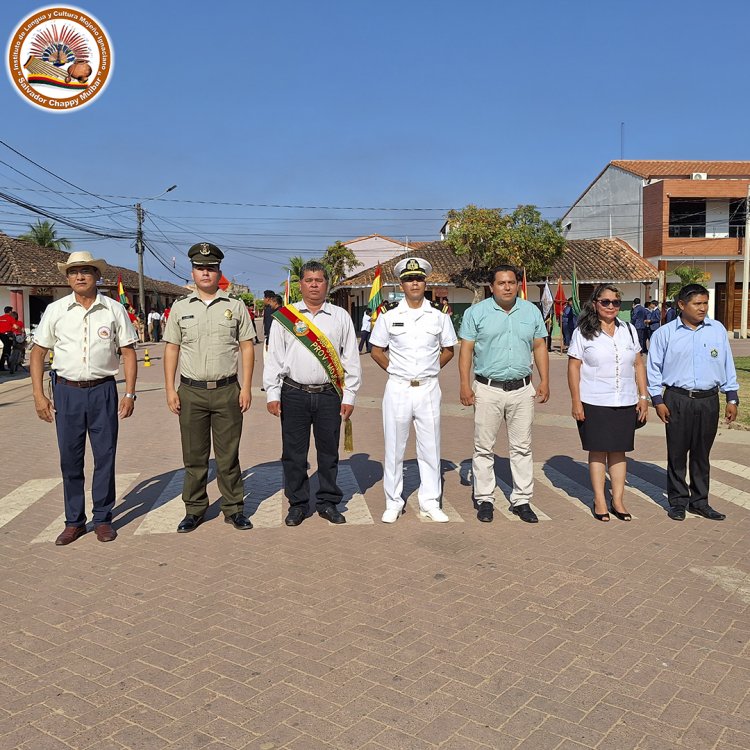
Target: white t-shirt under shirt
{"x": 607, "y": 366}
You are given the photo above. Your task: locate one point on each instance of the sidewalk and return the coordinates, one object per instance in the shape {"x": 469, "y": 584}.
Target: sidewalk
{"x": 568, "y": 634}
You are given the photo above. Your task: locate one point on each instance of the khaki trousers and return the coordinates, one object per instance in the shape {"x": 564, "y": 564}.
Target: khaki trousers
{"x": 492, "y": 406}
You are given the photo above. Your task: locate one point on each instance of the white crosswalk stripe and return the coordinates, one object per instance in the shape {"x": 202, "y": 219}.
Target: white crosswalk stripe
{"x": 122, "y": 483}
{"x": 353, "y": 504}
{"x": 264, "y": 496}
{"x": 168, "y": 509}
{"x": 22, "y": 497}
{"x": 719, "y": 489}
{"x": 502, "y": 502}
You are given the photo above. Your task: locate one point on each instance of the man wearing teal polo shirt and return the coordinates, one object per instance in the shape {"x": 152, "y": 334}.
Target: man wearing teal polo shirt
{"x": 503, "y": 337}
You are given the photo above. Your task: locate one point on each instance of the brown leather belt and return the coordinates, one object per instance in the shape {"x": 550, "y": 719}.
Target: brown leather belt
{"x": 208, "y": 385}
{"x": 85, "y": 383}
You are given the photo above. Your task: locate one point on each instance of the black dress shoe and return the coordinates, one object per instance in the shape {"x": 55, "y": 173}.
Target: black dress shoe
{"x": 239, "y": 521}
{"x": 676, "y": 514}
{"x": 295, "y": 516}
{"x": 707, "y": 512}
{"x": 330, "y": 513}
{"x": 525, "y": 513}
{"x": 485, "y": 512}
{"x": 189, "y": 523}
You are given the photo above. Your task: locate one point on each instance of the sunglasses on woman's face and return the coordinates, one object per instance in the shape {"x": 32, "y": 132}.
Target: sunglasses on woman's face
{"x": 608, "y": 302}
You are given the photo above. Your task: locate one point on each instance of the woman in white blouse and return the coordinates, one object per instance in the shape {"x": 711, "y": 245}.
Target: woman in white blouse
{"x": 607, "y": 381}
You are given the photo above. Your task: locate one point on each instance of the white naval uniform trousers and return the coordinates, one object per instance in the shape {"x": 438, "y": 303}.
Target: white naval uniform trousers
{"x": 415, "y": 338}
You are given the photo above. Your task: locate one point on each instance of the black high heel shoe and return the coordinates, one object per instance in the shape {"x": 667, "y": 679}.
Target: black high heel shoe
{"x": 600, "y": 516}
{"x": 621, "y": 516}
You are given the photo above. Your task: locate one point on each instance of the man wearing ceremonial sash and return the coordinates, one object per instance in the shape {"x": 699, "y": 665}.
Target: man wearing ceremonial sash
{"x": 311, "y": 376}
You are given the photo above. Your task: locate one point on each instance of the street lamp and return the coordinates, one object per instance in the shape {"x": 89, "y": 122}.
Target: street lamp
{"x": 139, "y": 249}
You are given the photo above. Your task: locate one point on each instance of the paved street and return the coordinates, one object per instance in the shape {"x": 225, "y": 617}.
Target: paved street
{"x": 567, "y": 634}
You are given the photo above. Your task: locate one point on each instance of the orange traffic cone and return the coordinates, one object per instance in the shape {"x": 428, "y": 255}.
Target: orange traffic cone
{"x": 146, "y": 359}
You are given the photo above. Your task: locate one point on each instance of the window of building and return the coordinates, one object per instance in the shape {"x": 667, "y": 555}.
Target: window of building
{"x": 737, "y": 211}
{"x": 687, "y": 217}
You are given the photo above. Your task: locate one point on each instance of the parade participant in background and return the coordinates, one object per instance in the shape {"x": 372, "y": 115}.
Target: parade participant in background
{"x": 251, "y": 313}
{"x": 691, "y": 360}
{"x": 671, "y": 313}
{"x": 420, "y": 340}
{"x": 653, "y": 319}
{"x": 311, "y": 376}
{"x": 445, "y": 307}
{"x": 638, "y": 315}
{"x": 607, "y": 381}
{"x": 365, "y": 330}
{"x": 154, "y": 325}
{"x": 501, "y": 336}
{"x": 7, "y": 322}
{"x": 207, "y": 331}
{"x": 569, "y": 321}
{"x": 87, "y": 332}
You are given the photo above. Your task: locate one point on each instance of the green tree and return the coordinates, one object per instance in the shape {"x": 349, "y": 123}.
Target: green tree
{"x": 687, "y": 275}
{"x": 340, "y": 261}
{"x": 294, "y": 270}
{"x": 487, "y": 237}
{"x": 44, "y": 234}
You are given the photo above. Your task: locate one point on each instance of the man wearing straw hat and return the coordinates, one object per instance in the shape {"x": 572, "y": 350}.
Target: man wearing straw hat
{"x": 420, "y": 340}
{"x": 87, "y": 331}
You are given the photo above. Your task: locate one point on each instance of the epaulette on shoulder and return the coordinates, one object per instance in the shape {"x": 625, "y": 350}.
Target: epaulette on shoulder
{"x": 234, "y": 296}
{"x": 179, "y": 299}
{"x": 390, "y": 305}
{"x": 434, "y": 303}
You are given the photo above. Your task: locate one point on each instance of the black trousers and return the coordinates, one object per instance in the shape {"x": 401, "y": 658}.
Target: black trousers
{"x": 299, "y": 411}
{"x": 690, "y": 434}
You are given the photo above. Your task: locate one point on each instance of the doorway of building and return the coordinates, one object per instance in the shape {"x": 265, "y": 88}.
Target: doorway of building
{"x": 37, "y": 306}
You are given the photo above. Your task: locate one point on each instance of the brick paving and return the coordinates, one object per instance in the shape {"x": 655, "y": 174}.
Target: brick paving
{"x": 569, "y": 634}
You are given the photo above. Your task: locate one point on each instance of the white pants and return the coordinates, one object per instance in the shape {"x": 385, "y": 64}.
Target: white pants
{"x": 402, "y": 405}
{"x": 491, "y": 407}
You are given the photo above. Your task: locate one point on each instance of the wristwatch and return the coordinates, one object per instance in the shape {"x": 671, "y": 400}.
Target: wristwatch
{"x": 131, "y": 395}
{"x": 733, "y": 401}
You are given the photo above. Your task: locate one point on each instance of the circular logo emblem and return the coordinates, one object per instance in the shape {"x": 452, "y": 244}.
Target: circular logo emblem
{"x": 714, "y": 353}
{"x": 300, "y": 328}
{"x": 205, "y": 249}
{"x": 104, "y": 332}
{"x": 60, "y": 58}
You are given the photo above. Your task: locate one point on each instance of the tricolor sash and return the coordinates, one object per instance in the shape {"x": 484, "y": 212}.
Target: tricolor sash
{"x": 315, "y": 341}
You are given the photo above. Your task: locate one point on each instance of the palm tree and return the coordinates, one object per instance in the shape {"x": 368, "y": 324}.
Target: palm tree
{"x": 44, "y": 234}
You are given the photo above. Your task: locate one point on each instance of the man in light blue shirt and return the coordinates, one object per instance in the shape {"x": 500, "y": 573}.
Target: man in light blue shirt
{"x": 691, "y": 360}
{"x": 502, "y": 337}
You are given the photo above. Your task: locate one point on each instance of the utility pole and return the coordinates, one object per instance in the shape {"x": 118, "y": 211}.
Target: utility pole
{"x": 745, "y": 270}
{"x": 139, "y": 253}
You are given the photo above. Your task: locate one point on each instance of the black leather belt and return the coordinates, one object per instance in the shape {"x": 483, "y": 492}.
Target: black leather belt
{"x": 693, "y": 394}
{"x": 208, "y": 385}
{"x": 308, "y": 388}
{"x": 85, "y": 383}
{"x": 506, "y": 385}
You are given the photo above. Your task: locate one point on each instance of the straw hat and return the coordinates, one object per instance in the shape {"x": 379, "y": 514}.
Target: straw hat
{"x": 81, "y": 258}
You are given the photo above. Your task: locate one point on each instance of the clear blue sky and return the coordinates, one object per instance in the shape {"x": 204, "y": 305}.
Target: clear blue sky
{"x": 409, "y": 104}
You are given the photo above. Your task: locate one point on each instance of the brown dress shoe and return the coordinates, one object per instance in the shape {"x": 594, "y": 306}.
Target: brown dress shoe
{"x": 105, "y": 533}
{"x": 70, "y": 534}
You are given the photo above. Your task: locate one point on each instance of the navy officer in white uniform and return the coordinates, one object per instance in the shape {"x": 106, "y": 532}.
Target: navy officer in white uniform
{"x": 420, "y": 340}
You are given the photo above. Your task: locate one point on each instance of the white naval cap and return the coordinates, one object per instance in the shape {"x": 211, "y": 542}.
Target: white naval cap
{"x": 413, "y": 268}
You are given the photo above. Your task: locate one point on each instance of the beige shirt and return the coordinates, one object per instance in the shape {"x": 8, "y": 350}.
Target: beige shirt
{"x": 287, "y": 357}
{"x": 85, "y": 342}
{"x": 208, "y": 335}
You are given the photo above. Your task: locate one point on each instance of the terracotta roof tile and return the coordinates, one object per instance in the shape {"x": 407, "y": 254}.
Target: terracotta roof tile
{"x": 596, "y": 260}
{"x": 648, "y": 168}
{"x": 26, "y": 264}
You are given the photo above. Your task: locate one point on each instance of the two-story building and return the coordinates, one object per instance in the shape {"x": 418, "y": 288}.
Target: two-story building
{"x": 673, "y": 213}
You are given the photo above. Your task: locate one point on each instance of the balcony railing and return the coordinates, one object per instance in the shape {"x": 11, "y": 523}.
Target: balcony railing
{"x": 699, "y": 230}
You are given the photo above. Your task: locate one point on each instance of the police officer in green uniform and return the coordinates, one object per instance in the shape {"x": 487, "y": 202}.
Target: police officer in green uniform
{"x": 206, "y": 331}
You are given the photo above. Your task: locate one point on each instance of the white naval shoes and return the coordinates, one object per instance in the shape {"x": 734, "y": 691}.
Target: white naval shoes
{"x": 391, "y": 515}
{"x": 435, "y": 514}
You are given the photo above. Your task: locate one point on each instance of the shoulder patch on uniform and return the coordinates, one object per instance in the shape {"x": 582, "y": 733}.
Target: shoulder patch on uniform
{"x": 390, "y": 305}
{"x": 434, "y": 303}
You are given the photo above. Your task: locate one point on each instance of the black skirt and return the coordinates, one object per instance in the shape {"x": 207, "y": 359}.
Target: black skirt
{"x": 608, "y": 428}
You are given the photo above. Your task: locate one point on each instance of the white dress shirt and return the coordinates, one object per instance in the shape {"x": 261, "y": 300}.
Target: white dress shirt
{"x": 607, "y": 366}
{"x": 415, "y": 338}
{"x": 289, "y": 358}
{"x": 85, "y": 342}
